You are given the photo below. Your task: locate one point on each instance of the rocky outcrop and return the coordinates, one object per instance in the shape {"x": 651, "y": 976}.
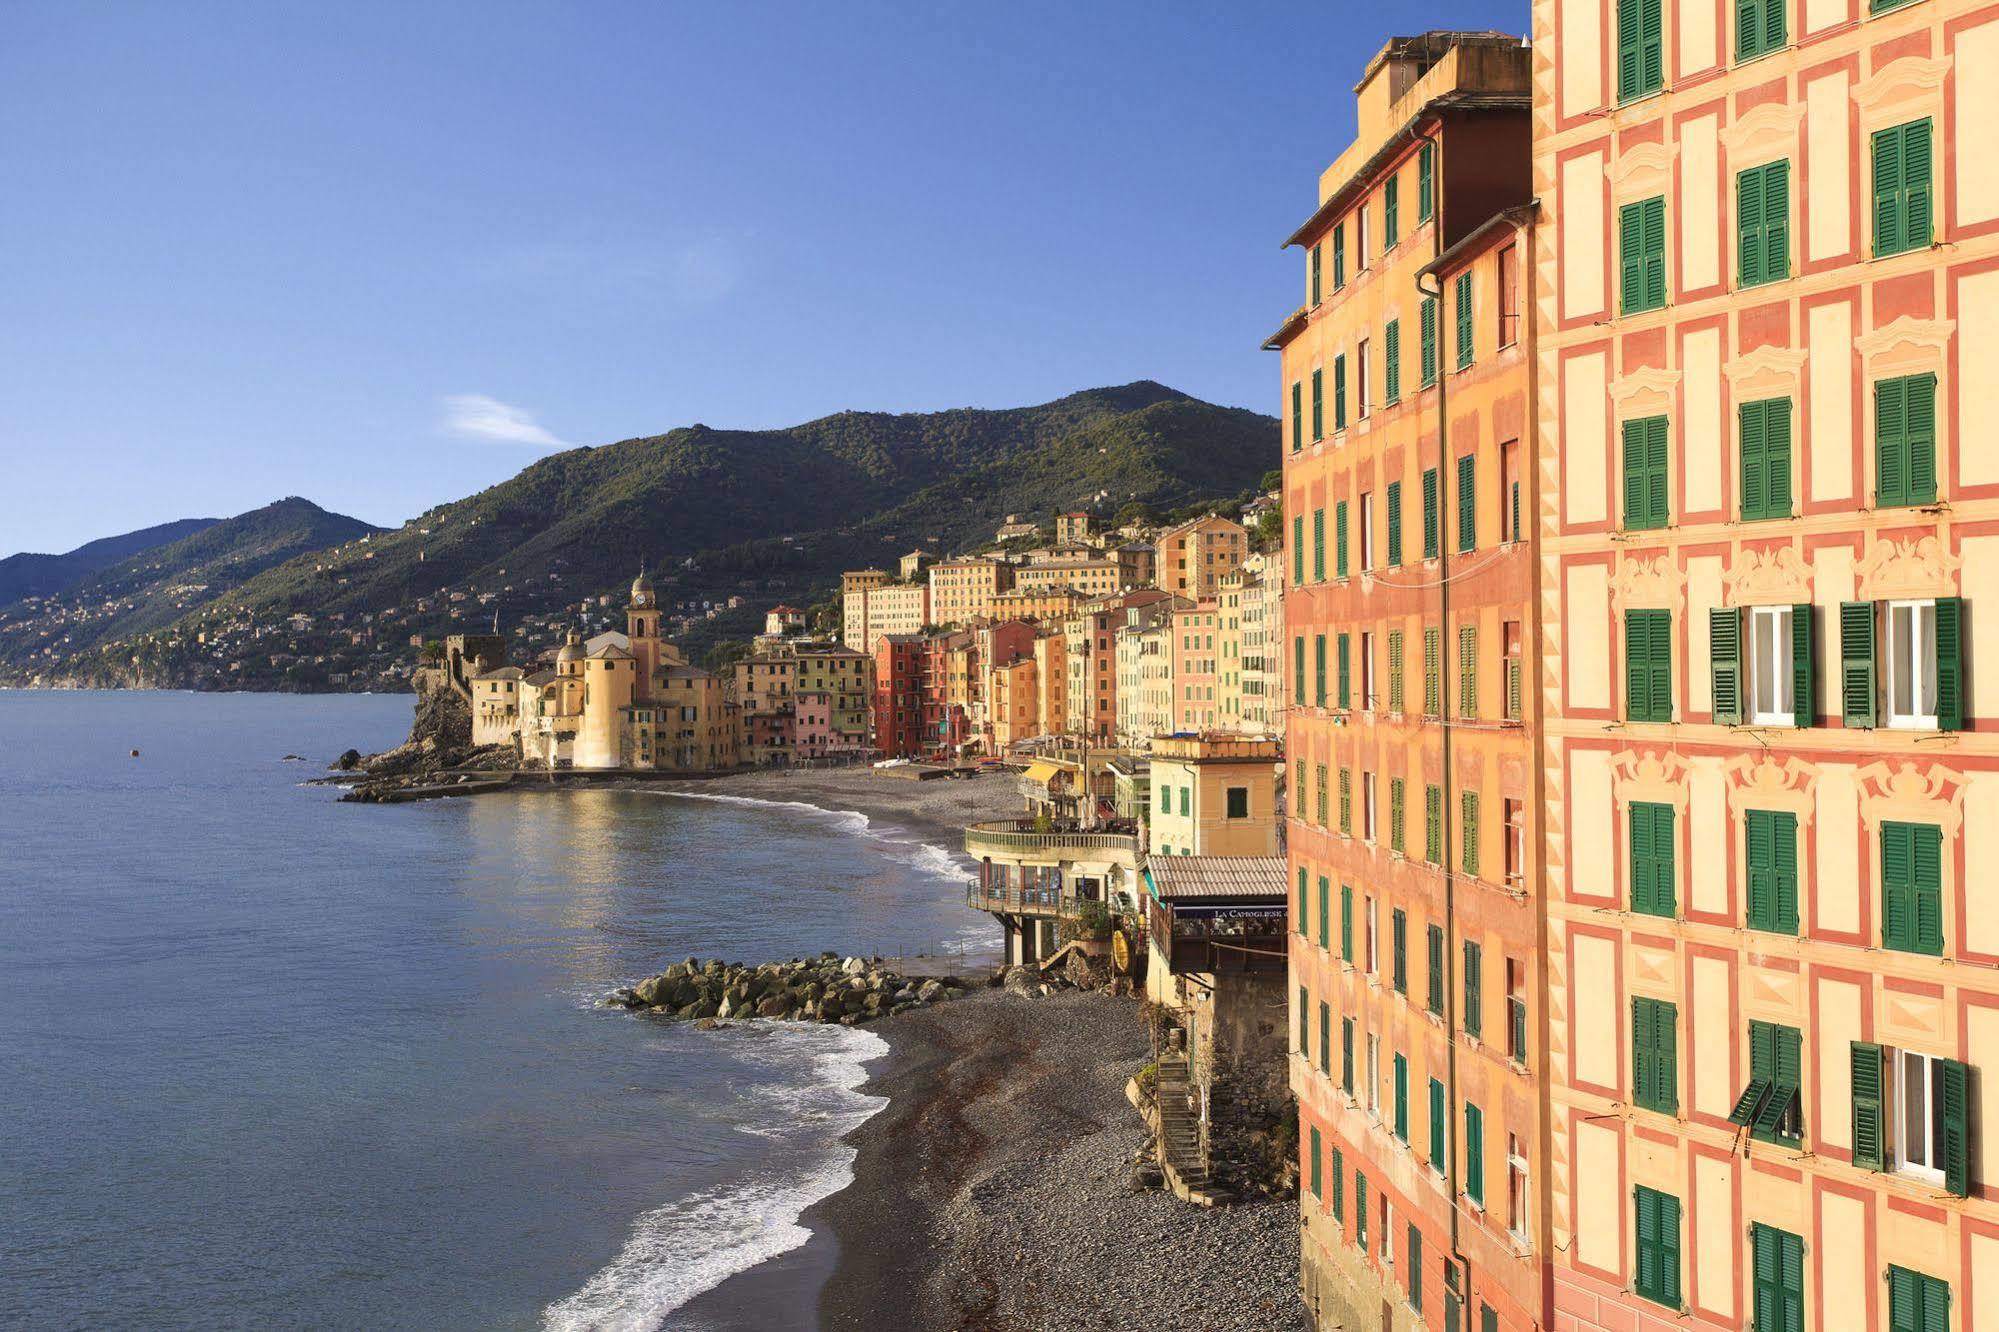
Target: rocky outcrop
{"x": 827, "y": 988}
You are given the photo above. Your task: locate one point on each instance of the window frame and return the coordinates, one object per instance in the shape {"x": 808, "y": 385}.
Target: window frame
{"x": 1902, "y": 653}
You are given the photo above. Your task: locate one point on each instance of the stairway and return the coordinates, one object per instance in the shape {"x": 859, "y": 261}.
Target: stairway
{"x": 1181, "y": 1158}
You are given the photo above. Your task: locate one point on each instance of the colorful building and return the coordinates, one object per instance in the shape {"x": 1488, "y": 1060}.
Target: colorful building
{"x": 1415, "y": 946}
{"x": 1192, "y": 652}
{"x": 898, "y": 710}
{"x": 1768, "y": 309}
{"x": 1192, "y": 557}
{"x": 962, "y": 590}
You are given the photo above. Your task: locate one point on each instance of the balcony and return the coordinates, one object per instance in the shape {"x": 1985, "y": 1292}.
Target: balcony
{"x": 1018, "y": 839}
{"x": 1042, "y": 901}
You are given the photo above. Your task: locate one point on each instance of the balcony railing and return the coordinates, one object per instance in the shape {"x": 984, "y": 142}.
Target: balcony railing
{"x": 1015, "y": 838}
{"x": 1043, "y": 901}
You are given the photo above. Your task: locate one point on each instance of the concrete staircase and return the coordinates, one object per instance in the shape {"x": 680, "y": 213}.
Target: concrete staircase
{"x": 1181, "y": 1158}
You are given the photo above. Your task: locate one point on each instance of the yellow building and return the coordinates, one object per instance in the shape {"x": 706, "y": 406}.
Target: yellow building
{"x": 1768, "y": 298}
{"x": 1027, "y": 602}
{"x": 962, "y": 590}
{"x": 1215, "y": 795}
{"x": 1051, "y": 673}
{"x": 880, "y": 607}
{"x": 1192, "y": 557}
{"x": 1073, "y": 528}
{"x": 1014, "y": 711}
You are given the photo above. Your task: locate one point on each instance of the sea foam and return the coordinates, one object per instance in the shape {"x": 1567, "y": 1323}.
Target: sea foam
{"x": 695, "y": 1243}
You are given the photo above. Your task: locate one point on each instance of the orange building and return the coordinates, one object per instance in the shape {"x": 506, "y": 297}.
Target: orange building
{"x": 1191, "y": 646}
{"x": 1192, "y": 557}
{"x": 1409, "y": 608}
{"x": 1768, "y": 309}
{"x": 962, "y": 590}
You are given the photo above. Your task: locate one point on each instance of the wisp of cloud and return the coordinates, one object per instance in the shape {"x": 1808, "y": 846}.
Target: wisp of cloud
{"x": 476, "y": 416}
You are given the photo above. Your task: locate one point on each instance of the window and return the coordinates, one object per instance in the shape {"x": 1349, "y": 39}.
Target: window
{"x": 1360, "y": 238}
{"x": 1374, "y": 1075}
{"x": 1434, "y": 942}
{"x": 1368, "y": 698}
{"x": 1361, "y": 401}
{"x": 1402, "y": 1098}
{"x": 1777, "y": 1272}
{"x": 1325, "y": 1038}
{"x": 1920, "y": 1112}
{"x": 1368, "y": 919}
{"x": 1297, "y": 415}
{"x": 1391, "y": 365}
{"x": 1468, "y": 671}
{"x": 1770, "y": 840}
{"x": 1391, "y": 198}
{"x": 1318, "y": 404}
{"x": 1432, "y": 540}
{"x": 1509, "y": 296}
{"x": 1468, "y": 829}
{"x": 1346, "y": 1055}
{"x": 1325, "y": 924}
{"x": 1516, "y": 671}
{"x": 1778, "y": 687}
{"x": 1360, "y": 1210}
{"x": 1902, "y": 212}
{"x": 1910, "y": 665}
{"x": 1317, "y": 254}
{"x": 1509, "y": 492}
{"x": 1346, "y": 802}
{"x": 1763, "y": 213}
{"x": 1395, "y": 670}
{"x": 1461, "y": 304}
{"x": 1298, "y": 690}
{"x": 1436, "y": 1126}
{"x": 1759, "y": 28}
{"x": 1912, "y": 887}
{"x": 1474, "y": 1017}
{"x": 1340, "y": 539}
{"x": 1474, "y": 1154}
{"x": 1340, "y": 391}
{"x": 1433, "y": 672}
{"x": 1905, "y": 440}
{"x": 1395, "y": 810}
{"x": 1640, "y": 49}
{"x": 1304, "y": 912}
{"x": 1916, "y": 1302}
{"x": 1433, "y": 824}
{"x": 1315, "y": 1161}
{"x": 1765, "y": 449}
{"x": 1238, "y": 802}
{"x": 1426, "y": 182}
{"x": 1318, "y": 545}
{"x": 1467, "y": 504}
{"x": 1394, "y": 519}
{"x": 1346, "y": 668}
{"x": 1415, "y": 1268}
{"x": 1339, "y": 1185}
{"x": 1515, "y": 852}
{"x": 1655, "y": 1070}
{"x": 1772, "y": 682}
{"x": 1399, "y": 977}
{"x": 1428, "y": 325}
{"x": 1516, "y": 1010}
{"x": 1657, "y": 1222}
{"x": 1652, "y": 847}
{"x": 1304, "y": 1020}
{"x": 1770, "y": 1106}
{"x": 1641, "y": 254}
{"x": 1339, "y": 256}
{"x": 1648, "y": 665}
{"x": 1366, "y": 531}
{"x": 1346, "y": 923}
{"x": 1647, "y": 482}
{"x": 1367, "y": 806}
{"x": 1517, "y": 1195}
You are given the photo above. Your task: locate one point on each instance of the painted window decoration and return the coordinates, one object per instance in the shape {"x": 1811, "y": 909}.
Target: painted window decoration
{"x": 1771, "y": 1106}
{"x": 1903, "y": 212}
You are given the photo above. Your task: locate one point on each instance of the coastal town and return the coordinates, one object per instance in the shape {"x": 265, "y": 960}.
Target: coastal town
{"x": 1562, "y": 793}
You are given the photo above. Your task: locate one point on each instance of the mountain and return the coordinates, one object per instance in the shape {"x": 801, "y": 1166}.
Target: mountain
{"x": 758, "y": 515}
{"x": 161, "y": 584}
{"x": 31, "y": 575}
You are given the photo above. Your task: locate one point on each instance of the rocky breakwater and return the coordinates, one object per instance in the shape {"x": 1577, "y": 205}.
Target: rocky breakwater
{"x": 827, "y": 988}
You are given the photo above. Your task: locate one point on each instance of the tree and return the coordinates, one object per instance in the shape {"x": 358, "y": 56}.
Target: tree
{"x": 1272, "y": 480}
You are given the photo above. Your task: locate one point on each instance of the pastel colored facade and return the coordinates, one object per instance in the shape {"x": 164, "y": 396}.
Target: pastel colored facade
{"x": 1051, "y": 672}
{"x": 1192, "y": 557}
{"x": 915, "y": 566}
{"x": 1263, "y": 691}
{"x": 1088, "y": 572}
{"x": 1073, "y": 528}
{"x": 1215, "y": 795}
{"x": 946, "y": 724}
{"x": 1144, "y": 681}
{"x": 962, "y": 590}
{"x": 882, "y": 608}
{"x": 1026, "y": 602}
{"x": 1769, "y": 513}
{"x": 1191, "y": 646}
{"x": 1015, "y": 709}
{"x": 1415, "y": 928}
{"x": 999, "y": 645}
{"x": 834, "y": 694}
{"x": 496, "y": 706}
{"x": 898, "y": 710}
{"x": 782, "y": 620}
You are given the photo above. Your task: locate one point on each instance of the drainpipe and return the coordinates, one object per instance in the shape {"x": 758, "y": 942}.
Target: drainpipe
{"x": 1444, "y": 659}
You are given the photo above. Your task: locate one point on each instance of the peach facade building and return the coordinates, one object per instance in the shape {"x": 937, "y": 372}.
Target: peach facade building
{"x": 1192, "y": 649}
{"x": 1190, "y": 559}
{"x": 962, "y": 590}
{"x": 1409, "y": 608}
{"x": 1768, "y": 309}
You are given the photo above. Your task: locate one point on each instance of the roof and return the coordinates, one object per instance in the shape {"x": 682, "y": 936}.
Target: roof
{"x": 539, "y": 678}
{"x": 1041, "y": 771}
{"x": 1185, "y": 878}
{"x": 502, "y": 673}
{"x": 610, "y": 652}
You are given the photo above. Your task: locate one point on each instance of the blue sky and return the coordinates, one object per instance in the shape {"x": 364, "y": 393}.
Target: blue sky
{"x": 382, "y": 255}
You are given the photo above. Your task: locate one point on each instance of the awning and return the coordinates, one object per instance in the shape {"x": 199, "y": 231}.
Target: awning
{"x": 1041, "y": 772}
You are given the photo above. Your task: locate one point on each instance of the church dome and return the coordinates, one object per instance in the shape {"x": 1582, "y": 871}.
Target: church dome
{"x": 572, "y": 650}
{"x": 642, "y": 591}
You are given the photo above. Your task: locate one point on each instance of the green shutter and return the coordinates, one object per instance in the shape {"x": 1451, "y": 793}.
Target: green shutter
{"x": 1432, "y": 538}
{"x": 1468, "y": 671}
{"x": 1426, "y": 182}
{"x": 1955, "y": 1080}
{"x": 1777, "y": 214}
{"x": 1429, "y": 330}
{"x": 1652, "y": 846}
{"x": 1390, "y": 200}
{"x": 1641, "y": 255}
{"x": 1648, "y": 665}
{"x": 1297, "y": 415}
{"x": 1318, "y": 545}
{"x": 1856, "y": 663}
{"x": 1325, "y": 912}
{"x": 1950, "y": 663}
{"x": 1765, "y": 458}
{"x": 1346, "y": 922}
{"x": 1468, "y": 828}
{"x": 1360, "y": 1210}
{"x": 1467, "y": 504}
{"x": 1474, "y": 1019}
{"x": 1345, "y": 672}
{"x": 1298, "y": 685}
{"x": 1340, "y": 392}
{"x": 1804, "y": 652}
{"x": 1640, "y": 48}
{"x": 1474, "y": 1154}
{"x": 1434, "y": 956}
{"x": 1921, "y": 439}
{"x": 1912, "y": 887}
{"x": 1762, "y": 212}
{"x": 1391, "y": 351}
{"x": 1461, "y": 303}
{"x": 1433, "y": 684}
{"x": 1395, "y": 797}
{"x": 1655, "y": 1055}
{"x": 1905, "y": 441}
{"x": 1657, "y": 1223}
{"x": 1297, "y": 550}
{"x": 1346, "y": 799}
{"x": 1433, "y": 824}
{"x": 1415, "y": 1268}
{"x": 1339, "y": 256}
{"x": 1903, "y": 214}
{"x": 1395, "y": 674}
{"x": 1394, "y": 519}
{"x": 1777, "y": 1275}
{"x": 1325, "y": 1038}
{"x": 1340, "y": 539}
{"x": 1346, "y": 1055}
{"x": 1399, "y": 929}
{"x": 1724, "y": 646}
{"x": 1771, "y": 850}
{"x": 1339, "y": 1185}
{"x": 1318, "y": 404}
{"x": 1317, "y": 255}
{"x": 1869, "y": 1124}
{"x": 1402, "y": 1098}
{"x": 1319, "y": 670}
{"x": 1315, "y": 1162}
{"x": 1645, "y": 473}
{"x": 1437, "y": 1126}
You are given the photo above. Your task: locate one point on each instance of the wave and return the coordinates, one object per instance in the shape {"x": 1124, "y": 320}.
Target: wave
{"x": 693, "y": 1244}
{"x": 851, "y": 819}
{"x": 910, "y": 849}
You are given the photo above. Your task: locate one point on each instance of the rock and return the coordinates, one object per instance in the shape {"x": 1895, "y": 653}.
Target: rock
{"x": 348, "y": 760}
{"x": 853, "y": 966}
{"x": 1023, "y": 982}
{"x": 776, "y": 1006}
{"x": 930, "y": 991}
{"x": 701, "y": 1008}
{"x": 652, "y": 990}
{"x": 623, "y": 997}
{"x": 706, "y": 1024}
{"x": 904, "y": 995}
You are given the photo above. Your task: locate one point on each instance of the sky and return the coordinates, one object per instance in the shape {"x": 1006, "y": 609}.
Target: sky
{"x": 382, "y": 255}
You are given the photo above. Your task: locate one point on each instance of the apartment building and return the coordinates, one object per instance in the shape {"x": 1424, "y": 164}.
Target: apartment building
{"x": 1409, "y": 600}
{"x": 1767, "y": 316}
{"x": 1261, "y": 705}
{"x": 1191, "y": 558}
{"x": 962, "y": 590}
{"x": 1192, "y": 645}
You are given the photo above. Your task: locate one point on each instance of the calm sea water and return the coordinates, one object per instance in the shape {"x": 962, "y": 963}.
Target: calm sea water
{"x": 271, "y": 1061}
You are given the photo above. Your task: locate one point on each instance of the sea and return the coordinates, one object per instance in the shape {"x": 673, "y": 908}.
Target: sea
{"x": 268, "y": 1060}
